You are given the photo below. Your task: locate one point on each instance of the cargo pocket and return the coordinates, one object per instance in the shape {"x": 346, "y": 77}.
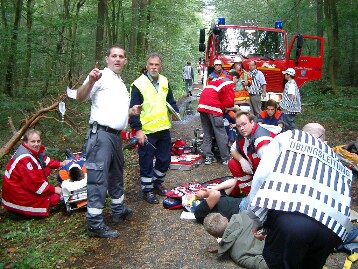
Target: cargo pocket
{"x": 218, "y": 121}
{"x": 95, "y": 173}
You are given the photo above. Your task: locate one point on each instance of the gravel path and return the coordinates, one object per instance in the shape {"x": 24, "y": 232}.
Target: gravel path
{"x": 155, "y": 237}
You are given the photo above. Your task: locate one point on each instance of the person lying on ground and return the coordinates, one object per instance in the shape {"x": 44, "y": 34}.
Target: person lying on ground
{"x": 236, "y": 238}
{"x": 217, "y": 201}
{"x": 25, "y": 187}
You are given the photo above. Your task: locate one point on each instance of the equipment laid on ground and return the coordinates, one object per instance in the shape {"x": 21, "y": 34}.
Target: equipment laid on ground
{"x": 185, "y": 162}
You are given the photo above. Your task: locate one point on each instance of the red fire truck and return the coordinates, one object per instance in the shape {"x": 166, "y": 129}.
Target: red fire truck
{"x": 269, "y": 47}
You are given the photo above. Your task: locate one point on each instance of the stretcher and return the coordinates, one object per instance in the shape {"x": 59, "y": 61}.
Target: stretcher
{"x": 76, "y": 199}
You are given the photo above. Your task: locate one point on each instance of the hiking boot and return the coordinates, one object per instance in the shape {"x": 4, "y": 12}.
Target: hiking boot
{"x": 160, "y": 190}
{"x": 119, "y": 218}
{"x": 150, "y": 197}
{"x": 209, "y": 160}
{"x": 103, "y": 232}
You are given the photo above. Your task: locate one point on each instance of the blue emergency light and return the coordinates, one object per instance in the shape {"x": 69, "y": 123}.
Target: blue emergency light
{"x": 221, "y": 21}
{"x": 278, "y": 24}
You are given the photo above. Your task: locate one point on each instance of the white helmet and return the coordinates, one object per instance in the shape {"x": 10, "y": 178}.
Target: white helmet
{"x": 218, "y": 62}
{"x": 237, "y": 59}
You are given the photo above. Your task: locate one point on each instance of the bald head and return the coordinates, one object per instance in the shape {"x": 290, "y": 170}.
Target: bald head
{"x": 315, "y": 129}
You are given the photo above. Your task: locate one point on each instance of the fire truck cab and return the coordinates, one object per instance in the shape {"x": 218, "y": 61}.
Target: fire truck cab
{"x": 269, "y": 47}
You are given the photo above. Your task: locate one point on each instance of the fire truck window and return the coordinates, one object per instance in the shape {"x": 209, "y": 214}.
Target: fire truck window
{"x": 252, "y": 42}
{"x": 311, "y": 48}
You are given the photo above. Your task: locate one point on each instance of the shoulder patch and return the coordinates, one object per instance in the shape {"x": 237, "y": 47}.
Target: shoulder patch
{"x": 29, "y": 166}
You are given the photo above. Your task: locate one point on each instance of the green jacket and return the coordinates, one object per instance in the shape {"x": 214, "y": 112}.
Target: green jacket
{"x": 244, "y": 248}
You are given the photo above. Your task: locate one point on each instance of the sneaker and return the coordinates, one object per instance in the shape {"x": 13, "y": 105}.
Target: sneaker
{"x": 209, "y": 160}
{"x": 225, "y": 162}
{"x": 119, "y": 218}
{"x": 160, "y": 190}
{"x": 103, "y": 232}
{"x": 150, "y": 197}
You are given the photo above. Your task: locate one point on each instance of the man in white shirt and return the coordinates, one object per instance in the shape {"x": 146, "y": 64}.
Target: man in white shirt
{"x": 104, "y": 163}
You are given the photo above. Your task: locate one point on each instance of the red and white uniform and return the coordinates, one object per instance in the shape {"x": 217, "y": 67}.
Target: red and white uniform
{"x": 217, "y": 96}
{"x": 251, "y": 149}
{"x": 25, "y": 188}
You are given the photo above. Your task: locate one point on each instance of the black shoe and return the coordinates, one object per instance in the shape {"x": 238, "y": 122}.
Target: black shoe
{"x": 160, "y": 190}
{"x": 119, "y": 218}
{"x": 150, "y": 197}
{"x": 103, "y": 232}
{"x": 190, "y": 94}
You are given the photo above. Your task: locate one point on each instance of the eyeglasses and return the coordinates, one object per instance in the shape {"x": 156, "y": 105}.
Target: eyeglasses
{"x": 241, "y": 125}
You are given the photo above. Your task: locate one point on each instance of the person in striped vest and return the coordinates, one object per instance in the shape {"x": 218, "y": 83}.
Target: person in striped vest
{"x": 257, "y": 88}
{"x": 291, "y": 100}
{"x": 300, "y": 197}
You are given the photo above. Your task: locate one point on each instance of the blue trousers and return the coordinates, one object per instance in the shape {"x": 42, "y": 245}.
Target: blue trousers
{"x": 150, "y": 174}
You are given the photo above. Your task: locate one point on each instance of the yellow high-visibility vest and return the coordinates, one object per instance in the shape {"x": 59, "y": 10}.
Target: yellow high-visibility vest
{"x": 154, "y": 116}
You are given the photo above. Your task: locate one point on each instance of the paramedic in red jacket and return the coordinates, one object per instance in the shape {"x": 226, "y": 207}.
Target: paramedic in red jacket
{"x": 247, "y": 151}
{"x": 25, "y": 188}
{"x": 214, "y": 99}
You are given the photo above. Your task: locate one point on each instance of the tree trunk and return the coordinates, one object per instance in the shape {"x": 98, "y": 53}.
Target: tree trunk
{"x": 142, "y": 27}
{"x": 353, "y": 32}
{"x": 80, "y": 3}
{"x": 319, "y": 20}
{"x": 134, "y": 27}
{"x": 332, "y": 32}
{"x": 102, "y": 4}
{"x": 29, "y": 12}
{"x": 11, "y": 63}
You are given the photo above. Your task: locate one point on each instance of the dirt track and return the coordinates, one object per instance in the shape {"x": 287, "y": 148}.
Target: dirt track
{"x": 155, "y": 237}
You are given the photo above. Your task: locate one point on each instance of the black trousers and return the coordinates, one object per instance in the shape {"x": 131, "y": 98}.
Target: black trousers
{"x": 296, "y": 241}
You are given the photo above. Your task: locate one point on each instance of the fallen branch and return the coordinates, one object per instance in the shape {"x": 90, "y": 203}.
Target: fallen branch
{"x": 28, "y": 123}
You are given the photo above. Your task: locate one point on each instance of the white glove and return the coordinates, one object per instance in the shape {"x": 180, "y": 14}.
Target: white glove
{"x": 245, "y": 165}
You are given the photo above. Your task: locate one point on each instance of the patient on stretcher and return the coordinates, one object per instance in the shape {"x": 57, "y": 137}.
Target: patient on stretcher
{"x": 77, "y": 180}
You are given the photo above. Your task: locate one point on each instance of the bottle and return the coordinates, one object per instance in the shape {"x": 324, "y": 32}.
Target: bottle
{"x": 62, "y": 109}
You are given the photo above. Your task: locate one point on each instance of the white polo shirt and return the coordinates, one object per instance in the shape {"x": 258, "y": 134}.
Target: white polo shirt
{"x": 110, "y": 101}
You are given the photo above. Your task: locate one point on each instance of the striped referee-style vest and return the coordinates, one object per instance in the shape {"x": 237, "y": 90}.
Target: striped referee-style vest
{"x": 256, "y": 87}
{"x": 308, "y": 178}
{"x": 291, "y": 106}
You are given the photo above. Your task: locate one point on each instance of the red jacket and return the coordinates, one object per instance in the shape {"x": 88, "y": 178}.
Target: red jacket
{"x": 217, "y": 96}
{"x": 25, "y": 188}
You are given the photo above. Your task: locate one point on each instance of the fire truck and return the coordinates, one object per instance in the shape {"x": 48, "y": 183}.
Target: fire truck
{"x": 269, "y": 47}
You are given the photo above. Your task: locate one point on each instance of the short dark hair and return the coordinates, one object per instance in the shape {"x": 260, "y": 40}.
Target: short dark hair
{"x": 75, "y": 173}
{"x": 234, "y": 73}
{"x": 250, "y": 116}
{"x": 115, "y": 47}
{"x": 271, "y": 102}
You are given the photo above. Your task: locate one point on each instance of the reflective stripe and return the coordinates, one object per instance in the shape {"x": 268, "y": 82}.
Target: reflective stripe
{"x": 94, "y": 211}
{"x": 41, "y": 189}
{"x": 218, "y": 88}
{"x": 216, "y": 109}
{"x": 13, "y": 165}
{"x": 118, "y": 200}
{"x": 7, "y": 174}
{"x": 24, "y": 208}
{"x": 146, "y": 179}
{"x": 47, "y": 160}
{"x": 158, "y": 173}
{"x": 147, "y": 186}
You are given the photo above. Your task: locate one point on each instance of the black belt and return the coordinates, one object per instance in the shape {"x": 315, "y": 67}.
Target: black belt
{"x": 107, "y": 129}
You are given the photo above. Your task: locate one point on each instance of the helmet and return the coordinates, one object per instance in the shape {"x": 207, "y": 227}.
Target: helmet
{"x": 218, "y": 62}
{"x": 237, "y": 59}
